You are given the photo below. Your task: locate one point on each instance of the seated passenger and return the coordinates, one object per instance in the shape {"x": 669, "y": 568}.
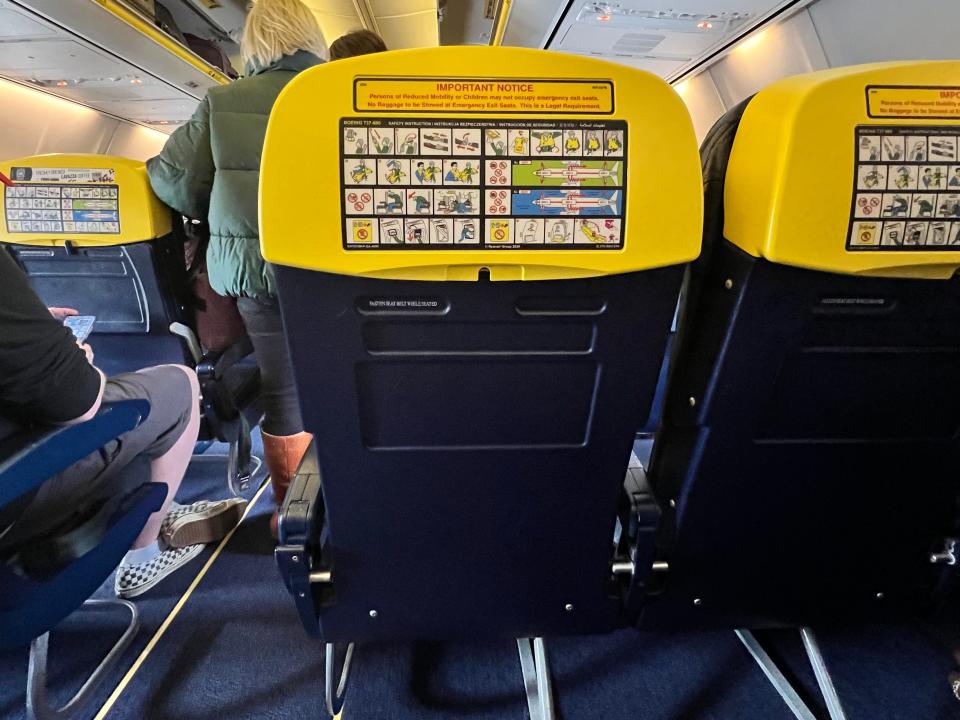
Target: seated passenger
{"x": 209, "y": 170}
{"x": 358, "y": 42}
{"x": 46, "y": 378}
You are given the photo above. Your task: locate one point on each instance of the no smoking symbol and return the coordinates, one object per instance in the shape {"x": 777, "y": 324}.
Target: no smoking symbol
{"x": 359, "y": 201}
{"x": 496, "y": 201}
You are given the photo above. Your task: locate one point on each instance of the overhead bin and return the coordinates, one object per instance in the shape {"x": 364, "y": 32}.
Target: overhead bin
{"x": 104, "y": 55}
{"x": 107, "y": 55}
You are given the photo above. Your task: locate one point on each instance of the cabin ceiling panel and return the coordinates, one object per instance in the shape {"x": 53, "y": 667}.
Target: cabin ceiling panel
{"x": 94, "y": 26}
{"x": 657, "y": 66}
{"x": 17, "y": 25}
{"x": 56, "y": 59}
{"x": 335, "y": 17}
{"x": 151, "y": 111}
{"x": 107, "y": 91}
{"x": 333, "y": 26}
{"x": 332, "y": 7}
{"x": 402, "y": 23}
{"x": 79, "y": 51}
{"x": 657, "y": 33}
{"x": 392, "y": 8}
{"x": 465, "y": 23}
{"x": 409, "y": 31}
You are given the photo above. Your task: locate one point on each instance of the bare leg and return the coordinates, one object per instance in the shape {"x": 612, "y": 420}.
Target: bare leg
{"x": 170, "y": 467}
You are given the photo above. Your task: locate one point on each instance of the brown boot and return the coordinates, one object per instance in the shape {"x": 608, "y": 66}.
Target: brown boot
{"x": 283, "y": 454}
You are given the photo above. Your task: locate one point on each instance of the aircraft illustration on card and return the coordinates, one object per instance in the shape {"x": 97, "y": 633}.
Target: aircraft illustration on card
{"x": 576, "y": 173}
{"x": 574, "y": 200}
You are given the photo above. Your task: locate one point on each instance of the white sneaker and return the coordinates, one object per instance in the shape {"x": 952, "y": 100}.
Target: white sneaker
{"x": 201, "y": 522}
{"x": 133, "y": 580}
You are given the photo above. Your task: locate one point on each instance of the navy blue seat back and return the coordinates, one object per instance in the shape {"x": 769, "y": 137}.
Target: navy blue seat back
{"x": 819, "y": 467}
{"x": 135, "y": 291}
{"x": 472, "y": 459}
{"x": 811, "y": 442}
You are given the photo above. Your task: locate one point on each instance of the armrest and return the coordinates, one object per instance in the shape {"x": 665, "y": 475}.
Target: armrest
{"x": 297, "y": 555}
{"x": 28, "y": 459}
{"x": 29, "y": 606}
{"x": 303, "y": 504}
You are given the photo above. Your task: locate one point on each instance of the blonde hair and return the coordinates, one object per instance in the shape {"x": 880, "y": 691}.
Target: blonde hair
{"x": 276, "y": 28}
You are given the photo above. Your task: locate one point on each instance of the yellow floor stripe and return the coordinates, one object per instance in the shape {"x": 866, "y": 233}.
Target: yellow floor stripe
{"x": 118, "y": 691}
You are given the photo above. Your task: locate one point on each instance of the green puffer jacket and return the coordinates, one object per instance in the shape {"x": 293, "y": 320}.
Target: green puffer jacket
{"x": 210, "y": 168}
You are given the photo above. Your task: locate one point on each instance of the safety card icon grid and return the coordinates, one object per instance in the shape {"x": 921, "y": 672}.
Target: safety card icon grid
{"x": 61, "y": 209}
{"x": 906, "y": 189}
{"x": 442, "y": 184}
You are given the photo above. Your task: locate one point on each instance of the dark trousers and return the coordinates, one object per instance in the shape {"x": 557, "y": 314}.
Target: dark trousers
{"x": 278, "y": 391}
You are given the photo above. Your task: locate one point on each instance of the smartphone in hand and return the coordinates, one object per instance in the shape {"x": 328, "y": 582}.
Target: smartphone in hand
{"x": 80, "y": 325}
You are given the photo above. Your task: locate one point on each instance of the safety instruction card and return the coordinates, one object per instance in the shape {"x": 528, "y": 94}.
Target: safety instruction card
{"x": 494, "y": 184}
{"x": 62, "y": 200}
{"x": 907, "y": 192}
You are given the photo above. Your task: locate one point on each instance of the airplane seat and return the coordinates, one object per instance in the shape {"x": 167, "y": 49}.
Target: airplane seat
{"x": 714, "y": 160}
{"x": 473, "y": 395}
{"x": 714, "y": 153}
{"x": 125, "y": 287}
{"x": 809, "y": 458}
{"x": 90, "y": 234}
{"x": 44, "y": 579}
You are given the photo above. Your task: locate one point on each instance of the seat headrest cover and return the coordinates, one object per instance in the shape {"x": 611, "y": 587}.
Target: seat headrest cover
{"x": 853, "y": 170}
{"x": 433, "y": 163}
{"x": 86, "y": 199}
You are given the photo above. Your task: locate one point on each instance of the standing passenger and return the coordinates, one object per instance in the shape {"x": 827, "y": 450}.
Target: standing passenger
{"x": 210, "y": 168}
{"x": 358, "y": 42}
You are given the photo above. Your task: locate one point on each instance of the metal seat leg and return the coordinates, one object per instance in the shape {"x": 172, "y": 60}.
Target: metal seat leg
{"x": 335, "y": 695}
{"x": 822, "y": 673}
{"x": 37, "y": 706}
{"x": 536, "y": 678}
{"x": 783, "y": 686}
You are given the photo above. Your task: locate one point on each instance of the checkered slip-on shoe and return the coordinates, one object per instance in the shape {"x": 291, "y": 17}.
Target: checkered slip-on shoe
{"x": 133, "y": 580}
{"x": 201, "y": 522}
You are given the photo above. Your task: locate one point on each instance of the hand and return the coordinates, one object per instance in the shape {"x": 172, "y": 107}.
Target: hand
{"x": 87, "y": 350}
{"x": 61, "y": 313}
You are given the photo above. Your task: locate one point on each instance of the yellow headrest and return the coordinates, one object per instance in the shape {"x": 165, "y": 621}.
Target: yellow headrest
{"x": 853, "y": 170}
{"x": 86, "y": 199}
{"x": 533, "y": 164}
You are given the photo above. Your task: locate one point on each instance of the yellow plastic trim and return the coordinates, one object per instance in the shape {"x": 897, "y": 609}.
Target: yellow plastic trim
{"x": 301, "y": 196}
{"x": 161, "y": 38}
{"x": 500, "y": 24}
{"x": 142, "y": 215}
{"x": 790, "y": 182}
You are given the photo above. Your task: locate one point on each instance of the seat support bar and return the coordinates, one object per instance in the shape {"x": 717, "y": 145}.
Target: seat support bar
{"x": 37, "y": 706}
{"x": 536, "y": 678}
{"x": 334, "y": 694}
{"x": 822, "y": 673}
{"x": 783, "y": 686}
